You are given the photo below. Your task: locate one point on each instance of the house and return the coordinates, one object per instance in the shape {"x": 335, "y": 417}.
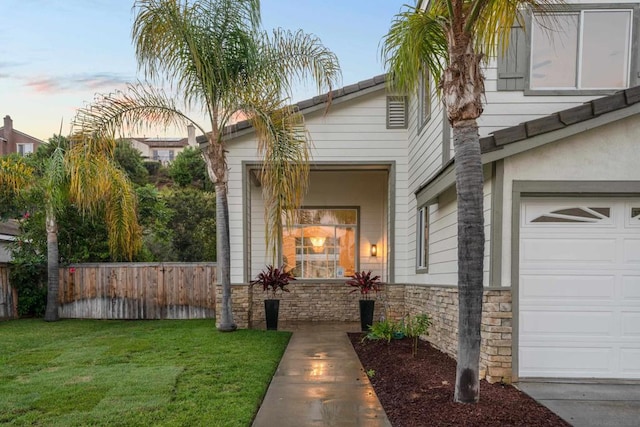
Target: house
{"x": 164, "y": 150}
{"x": 14, "y": 141}
{"x": 561, "y": 202}
{"x": 8, "y": 232}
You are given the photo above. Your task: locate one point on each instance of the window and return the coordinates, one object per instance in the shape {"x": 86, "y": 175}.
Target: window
{"x": 576, "y": 49}
{"x": 322, "y": 244}
{"x": 396, "y": 112}
{"x": 422, "y": 237}
{"x": 587, "y": 49}
{"x": 424, "y": 98}
{"x": 163, "y": 156}
{"x": 24, "y": 149}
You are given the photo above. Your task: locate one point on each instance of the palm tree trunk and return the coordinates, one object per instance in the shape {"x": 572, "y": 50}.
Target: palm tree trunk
{"x": 223, "y": 258}
{"x": 469, "y": 187}
{"x": 53, "y": 275}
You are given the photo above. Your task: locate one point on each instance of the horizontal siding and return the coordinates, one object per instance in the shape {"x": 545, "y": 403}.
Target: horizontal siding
{"x": 352, "y": 131}
{"x": 508, "y": 108}
{"x": 443, "y": 240}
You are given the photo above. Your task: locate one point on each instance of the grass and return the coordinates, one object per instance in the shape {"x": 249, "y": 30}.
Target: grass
{"x": 133, "y": 373}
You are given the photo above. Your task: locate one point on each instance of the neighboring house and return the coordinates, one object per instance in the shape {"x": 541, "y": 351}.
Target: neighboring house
{"x": 164, "y": 150}
{"x": 14, "y": 141}
{"x": 8, "y": 232}
{"x": 562, "y": 203}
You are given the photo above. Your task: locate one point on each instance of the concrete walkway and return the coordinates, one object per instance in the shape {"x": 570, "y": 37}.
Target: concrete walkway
{"x": 320, "y": 382}
{"x": 586, "y": 404}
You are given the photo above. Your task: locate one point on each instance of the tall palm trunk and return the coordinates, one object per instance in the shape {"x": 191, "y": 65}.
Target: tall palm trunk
{"x": 215, "y": 160}
{"x": 223, "y": 258}
{"x": 469, "y": 183}
{"x": 53, "y": 275}
{"x": 463, "y": 86}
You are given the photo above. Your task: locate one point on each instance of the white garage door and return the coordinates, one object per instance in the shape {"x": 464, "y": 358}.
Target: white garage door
{"x": 579, "y": 290}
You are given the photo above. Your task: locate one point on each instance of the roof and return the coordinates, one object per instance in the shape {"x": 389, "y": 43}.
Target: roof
{"x": 561, "y": 119}
{"x": 531, "y": 134}
{"x": 163, "y": 142}
{"x": 9, "y": 228}
{"x": 36, "y": 140}
{"x": 356, "y": 89}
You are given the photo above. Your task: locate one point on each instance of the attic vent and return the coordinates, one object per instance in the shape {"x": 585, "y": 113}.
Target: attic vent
{"x": 396, "y": 112}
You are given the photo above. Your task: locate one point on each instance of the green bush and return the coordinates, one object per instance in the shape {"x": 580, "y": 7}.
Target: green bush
{"x": 28, "y": 276}
{"x": 384, "y": 329}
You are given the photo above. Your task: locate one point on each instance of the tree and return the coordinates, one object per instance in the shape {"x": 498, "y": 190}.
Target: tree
{"x": 216, "y": 56}
{"x": 130, "y": 160}
{"x": 188, "y": 168}
{"x": 449, "y": 39}
{"x": 193, "y": 223}
{"x": 79, "y": 171}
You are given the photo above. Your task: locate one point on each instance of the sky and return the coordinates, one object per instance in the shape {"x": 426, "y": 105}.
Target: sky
{"x": 56, "y": 55}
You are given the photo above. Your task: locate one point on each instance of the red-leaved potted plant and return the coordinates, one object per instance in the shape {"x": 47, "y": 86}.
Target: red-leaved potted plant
{"x": 273, "y": 279}
{"x": 365, "y": 283}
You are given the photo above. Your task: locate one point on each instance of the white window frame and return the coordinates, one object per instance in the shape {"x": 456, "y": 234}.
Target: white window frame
{"x": 577, "y": 89}
{"x": 424, "y": 101}
{"x": 21, "y": 148}
{"x": 302, "y": 247}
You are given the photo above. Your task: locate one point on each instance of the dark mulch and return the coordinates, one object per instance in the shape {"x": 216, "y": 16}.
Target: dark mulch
{"x": 419, "y": 391}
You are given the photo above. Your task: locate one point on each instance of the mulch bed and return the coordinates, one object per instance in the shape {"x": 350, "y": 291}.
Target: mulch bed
{"x": 419, "y": 391}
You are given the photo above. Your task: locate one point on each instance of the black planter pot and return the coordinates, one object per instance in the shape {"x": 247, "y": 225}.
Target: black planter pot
{"x": 271, "y": 307}
{"x": 366, "y": 313}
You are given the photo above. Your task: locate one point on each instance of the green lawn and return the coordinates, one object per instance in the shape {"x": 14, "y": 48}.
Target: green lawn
{"x": 133, "y": 373}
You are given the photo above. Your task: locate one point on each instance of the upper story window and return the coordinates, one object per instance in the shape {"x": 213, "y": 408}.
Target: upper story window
{"x": 588, "y": 49}
{"x": 323, "y": 244}
{"x": 576, "y": 49}
{"x": 424, "y": 99}
{"x": 24, "y": 149}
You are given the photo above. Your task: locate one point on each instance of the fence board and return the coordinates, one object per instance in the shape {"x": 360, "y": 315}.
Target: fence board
{"x": 8, "y": 296}
{"x": 138, "y": 291}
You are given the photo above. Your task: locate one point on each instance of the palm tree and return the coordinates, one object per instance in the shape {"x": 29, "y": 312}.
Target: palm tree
{"x": 82, "y": 173}
{"x": 450, "y": 38}
{"x": 214, "y": 54}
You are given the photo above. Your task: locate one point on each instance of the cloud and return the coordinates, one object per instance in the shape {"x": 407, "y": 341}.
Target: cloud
{"x": 10, "y": 64}
{"x": 78, "y": 82}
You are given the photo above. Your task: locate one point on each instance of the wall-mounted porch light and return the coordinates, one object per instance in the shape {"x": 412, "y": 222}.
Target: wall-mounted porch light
{"x": 374, "y": 251}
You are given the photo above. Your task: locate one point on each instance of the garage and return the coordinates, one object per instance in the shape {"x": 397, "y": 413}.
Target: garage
{"x": 579, "y": 288}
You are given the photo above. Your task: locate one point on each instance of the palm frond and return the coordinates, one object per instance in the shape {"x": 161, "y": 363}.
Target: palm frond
{"x": 15, "y": 174}
{"x": 294, "y": 57}
{"x": 490, "y": 21}
{"x": 284, "y": 146}
{"x": 56, "y": 180}
{"x": 416, "y": 40}
{"x": 125, "y": 234}
{"x": 138, "y": 107}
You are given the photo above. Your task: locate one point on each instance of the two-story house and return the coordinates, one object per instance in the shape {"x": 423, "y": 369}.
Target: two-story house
{"x": 559, "y": 138}
{"x": 14, "y": 141}
{"x": 162, "y": 149}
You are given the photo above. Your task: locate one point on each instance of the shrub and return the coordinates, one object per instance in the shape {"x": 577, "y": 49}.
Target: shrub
{"x": 28, "y": 276}
{"x": 273, "y": 278}
{"x": 415, "y": 326}
{"x": 384, "y": 329}
{"x": 364, "y": 283}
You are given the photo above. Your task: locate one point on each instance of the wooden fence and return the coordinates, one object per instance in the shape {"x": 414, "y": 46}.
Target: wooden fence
{"x": 138, "y": 291}
{"x": 8, "y": 297}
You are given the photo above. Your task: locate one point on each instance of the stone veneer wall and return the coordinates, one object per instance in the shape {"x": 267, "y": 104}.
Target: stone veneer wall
{"x": 441, "y": 304}
{"x": 333, "y": 302}
{"x": 330, "y": 301}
